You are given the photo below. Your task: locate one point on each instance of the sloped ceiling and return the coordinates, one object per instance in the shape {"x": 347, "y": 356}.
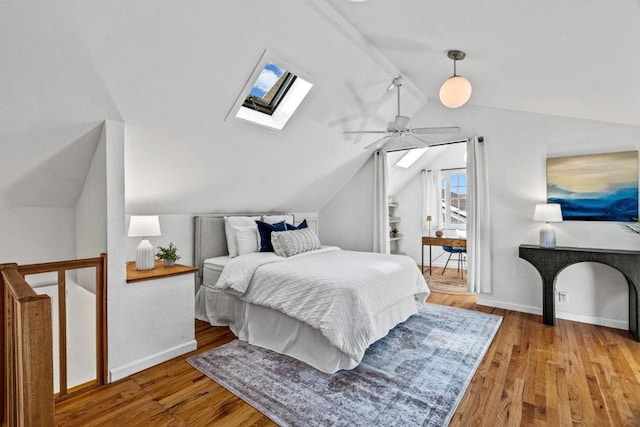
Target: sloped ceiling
{"x": 570, "y": 58}
{"x": 52, "y": 105}
{"x": 172, "y": 70}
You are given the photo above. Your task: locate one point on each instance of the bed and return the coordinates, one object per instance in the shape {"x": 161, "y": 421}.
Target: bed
{"x": 323, "y": 306}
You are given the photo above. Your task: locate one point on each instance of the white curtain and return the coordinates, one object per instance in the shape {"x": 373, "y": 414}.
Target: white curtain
{"x": 380, "y": 204}
{"x": 431, "y": 202}
{"x": 479, "y": 219}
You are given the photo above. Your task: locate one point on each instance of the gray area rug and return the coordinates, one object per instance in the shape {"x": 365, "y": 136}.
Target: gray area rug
{"x": 415, "y": 376}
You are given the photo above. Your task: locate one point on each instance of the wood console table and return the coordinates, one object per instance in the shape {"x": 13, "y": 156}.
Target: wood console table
{"x": 550, "y": 262}
{"x": 440, "y": 241}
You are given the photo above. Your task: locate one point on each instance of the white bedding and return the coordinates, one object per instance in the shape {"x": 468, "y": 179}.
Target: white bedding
{"x": 338, "y": 293}
{"x": 212, "y": 268}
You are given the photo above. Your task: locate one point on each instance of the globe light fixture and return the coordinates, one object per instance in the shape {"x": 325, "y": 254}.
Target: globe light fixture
{"x": 456, "y": 90}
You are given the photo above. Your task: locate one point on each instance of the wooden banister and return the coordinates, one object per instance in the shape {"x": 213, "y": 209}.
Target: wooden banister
{"x": 26, "y": 368}
{"x": 27, "y": 359}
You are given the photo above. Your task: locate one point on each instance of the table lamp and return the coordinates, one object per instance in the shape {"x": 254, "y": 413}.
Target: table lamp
{"x": 429, "y": 219}
{"x": 548, "y": 212}
{"x": 144, "y": 226}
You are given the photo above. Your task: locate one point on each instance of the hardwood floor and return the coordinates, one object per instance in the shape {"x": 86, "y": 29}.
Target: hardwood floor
{"x": 532, "y": 375}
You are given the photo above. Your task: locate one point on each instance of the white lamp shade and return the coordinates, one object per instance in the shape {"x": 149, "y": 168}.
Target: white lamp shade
{"x": 144, "y": 226}
{"x": 548, "y": 212}
{"x": 455, "y": 92}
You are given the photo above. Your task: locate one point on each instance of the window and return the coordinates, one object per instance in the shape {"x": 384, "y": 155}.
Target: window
{"x": 454, "y": 195}
{"x": 274, "y": 91}
{"x": 410, "y": 157}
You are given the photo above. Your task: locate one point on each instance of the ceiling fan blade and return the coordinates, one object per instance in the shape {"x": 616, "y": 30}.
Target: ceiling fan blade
{"x": 422, "y": 141}
{"x": 364, "y": 131}
{"x": 436, "y": 130}
{"x": 377, "y": 142}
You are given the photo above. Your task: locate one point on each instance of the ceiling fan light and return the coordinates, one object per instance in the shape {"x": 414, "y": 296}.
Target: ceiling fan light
{"x": 455, "y": 91}
{"x": 401, "y": 123}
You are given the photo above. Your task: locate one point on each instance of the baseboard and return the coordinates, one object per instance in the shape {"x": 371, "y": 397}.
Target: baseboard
{"x": 509, "y": 306}
{"x": 155, "y": 359}
{"x": 601, "y": 321}
{"x": 593, "y": 320}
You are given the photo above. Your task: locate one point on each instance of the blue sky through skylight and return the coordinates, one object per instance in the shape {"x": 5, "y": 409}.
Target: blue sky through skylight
{"x": 267, "y": 78}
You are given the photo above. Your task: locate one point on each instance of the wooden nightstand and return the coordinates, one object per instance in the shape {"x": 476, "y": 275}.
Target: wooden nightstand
{"x": 158, "y": 272}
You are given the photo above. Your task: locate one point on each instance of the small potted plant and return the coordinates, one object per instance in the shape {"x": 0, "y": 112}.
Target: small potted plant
{"x": 394, "y": 232}
{"x": 169, "y": 255}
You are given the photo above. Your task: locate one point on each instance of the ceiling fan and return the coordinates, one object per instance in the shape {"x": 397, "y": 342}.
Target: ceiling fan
{"x": 400, "y": 126}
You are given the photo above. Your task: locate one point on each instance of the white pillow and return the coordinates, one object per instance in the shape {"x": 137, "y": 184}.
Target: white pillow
{"x": 247, "y": 239}
{"x": 289, "y": 243}
{"x": 272, "y": 219}
{"x": 236, "y": 221}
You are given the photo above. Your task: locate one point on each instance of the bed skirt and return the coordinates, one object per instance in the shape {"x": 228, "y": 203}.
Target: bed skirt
{"x": 276, "y": 331}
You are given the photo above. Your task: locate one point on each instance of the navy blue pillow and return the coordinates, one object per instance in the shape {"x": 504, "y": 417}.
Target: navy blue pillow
{"x": 300, "y": 226}
{"x": 265, "y": 229}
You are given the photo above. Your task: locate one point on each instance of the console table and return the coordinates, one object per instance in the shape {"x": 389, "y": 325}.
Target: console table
{"x": 550, "y": 262}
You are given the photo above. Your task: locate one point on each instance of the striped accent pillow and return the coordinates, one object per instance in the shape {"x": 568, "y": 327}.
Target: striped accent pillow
{"x": 289, "y": 243}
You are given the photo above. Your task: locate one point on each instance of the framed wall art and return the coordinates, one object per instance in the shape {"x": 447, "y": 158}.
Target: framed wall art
{"x": 595, "y": 187}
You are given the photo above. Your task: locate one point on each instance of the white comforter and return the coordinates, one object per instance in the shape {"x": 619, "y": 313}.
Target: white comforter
{"x": 337, "y": 292}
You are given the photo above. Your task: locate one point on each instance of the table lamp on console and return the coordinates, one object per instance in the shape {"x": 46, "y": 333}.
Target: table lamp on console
{"x": 144, "y": 226}
{"x": 548, "y": 212}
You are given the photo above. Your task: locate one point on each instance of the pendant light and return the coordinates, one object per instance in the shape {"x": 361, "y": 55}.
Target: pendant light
{"x": 456, "y": 90}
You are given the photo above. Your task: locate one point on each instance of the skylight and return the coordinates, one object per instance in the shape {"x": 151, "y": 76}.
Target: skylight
{"x": 274, "y": 92}
{"x": 269, "y": 89}
{"x": 411, "y": 157}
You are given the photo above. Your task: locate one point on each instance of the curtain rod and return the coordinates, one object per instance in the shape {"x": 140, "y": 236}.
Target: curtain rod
{"x": 447, "y": 169}
{"x": 436, "y": 144}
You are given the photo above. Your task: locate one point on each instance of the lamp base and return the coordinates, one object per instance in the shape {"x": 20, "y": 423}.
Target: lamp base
{"x": 547, "y": 236}
{"x": 145, "y": 259}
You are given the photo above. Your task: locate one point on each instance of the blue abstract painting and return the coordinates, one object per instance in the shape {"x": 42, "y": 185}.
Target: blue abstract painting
{"x": 595, "y": 187}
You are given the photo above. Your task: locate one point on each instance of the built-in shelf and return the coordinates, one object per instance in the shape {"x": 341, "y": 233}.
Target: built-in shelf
{"x": 394, "y": 221}
{"x": 158, "y": 272}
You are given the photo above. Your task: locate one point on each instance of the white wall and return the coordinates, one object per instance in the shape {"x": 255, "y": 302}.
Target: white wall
{"x": 33, "y": 235}
{"x": 149, "y": 322}
{"x": 518, "y": 145}
{"x": 347, "y": 219}
{"x": 177, "y": 229}
{"x": 91, "y": 214}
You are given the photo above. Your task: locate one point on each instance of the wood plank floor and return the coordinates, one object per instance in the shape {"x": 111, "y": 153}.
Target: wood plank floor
{"x": 532, "y": 375}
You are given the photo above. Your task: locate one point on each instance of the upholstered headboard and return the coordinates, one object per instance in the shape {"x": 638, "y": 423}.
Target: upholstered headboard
{"x": 210, "y": 239}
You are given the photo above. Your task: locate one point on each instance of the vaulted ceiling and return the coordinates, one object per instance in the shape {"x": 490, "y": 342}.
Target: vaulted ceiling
{"x": 171, "y": 71}
{"x": 571, "y": 58}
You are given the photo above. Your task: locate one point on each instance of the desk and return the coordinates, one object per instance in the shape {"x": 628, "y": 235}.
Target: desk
{"x": 440, "y": 241}
{"x": 550, "y": 262}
